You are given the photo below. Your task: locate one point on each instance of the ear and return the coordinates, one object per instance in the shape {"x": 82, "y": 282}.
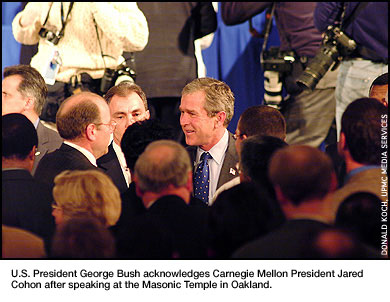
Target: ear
{"x": 189, "y": 184}
{"x": 147, "y": 115}
{"x": 29, "y": 104}
{"x": 31, "y": 155}
{"x": 138, "y": 191}
{"x": 283, "y": 200}
{"x": 220, "y": 118}
{"x": 341, "y": 144}
{"x": 90, "y": 132}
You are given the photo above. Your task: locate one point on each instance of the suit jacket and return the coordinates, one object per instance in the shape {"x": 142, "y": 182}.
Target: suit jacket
{"x": 26, "y": 203}
{"x": 48, "y": 141}
{"x": 64, "y": 158}
{"x": 364, "y": 181}
{"x": 168, "y": 229}
{"x": 110, "y": 165}
{"x": 290, "y": 241}
{"x": 229, "y": 163}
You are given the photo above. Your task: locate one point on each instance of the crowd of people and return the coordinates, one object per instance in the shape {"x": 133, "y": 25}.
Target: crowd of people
{"x": 113, "y": 181}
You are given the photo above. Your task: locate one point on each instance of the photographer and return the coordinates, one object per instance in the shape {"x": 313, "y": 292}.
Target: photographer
{"x": 77, "y": 42}
{"x": 369, "y": 29}
{"x": 309, "y": 114}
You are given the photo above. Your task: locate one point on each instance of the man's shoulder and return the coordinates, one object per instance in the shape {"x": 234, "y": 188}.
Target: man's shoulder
{"x": 51, "y": 135}
{"x": 110, "y": 156}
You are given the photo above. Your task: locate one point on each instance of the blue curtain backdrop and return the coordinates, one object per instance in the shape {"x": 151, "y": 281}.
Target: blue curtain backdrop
{"x": 234, "y": 57}
{"x": 10, "y": 50}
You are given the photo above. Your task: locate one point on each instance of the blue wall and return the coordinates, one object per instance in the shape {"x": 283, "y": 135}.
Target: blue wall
{"x": 10, "y": 49}
{"x": 234, "y": 57}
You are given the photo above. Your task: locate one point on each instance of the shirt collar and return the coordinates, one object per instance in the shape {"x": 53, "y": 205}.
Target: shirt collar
{"x": 36, "y": 123}
{"x": 87, "y": 154}
{"x": 358, "y": 170}
{"x": 218, "y": 150}
{"x": 119, "y": 154}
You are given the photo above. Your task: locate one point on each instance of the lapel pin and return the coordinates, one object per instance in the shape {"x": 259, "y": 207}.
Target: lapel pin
{"x": 232, "y": 171}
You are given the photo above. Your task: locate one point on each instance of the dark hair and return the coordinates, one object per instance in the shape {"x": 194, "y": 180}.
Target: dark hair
{"x": 256, "y": 152}
{"x": 361, "y": 125}
{"x": 383, "y": 79}
{"x": 83, "y": 237}
{"x": 240, "y": 214}
{"x": 262, "y": 120}
{"x": 18, "y": 136}
{"x": 302, "y": 173}
{"x": 123, "y": 90}
{"x": 32, "y": 84}
{"x": 359, "y": 213}
{"x": 138, "y": 135}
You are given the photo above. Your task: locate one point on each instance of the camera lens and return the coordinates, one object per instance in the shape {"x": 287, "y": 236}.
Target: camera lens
{"x": 318, "y": 67}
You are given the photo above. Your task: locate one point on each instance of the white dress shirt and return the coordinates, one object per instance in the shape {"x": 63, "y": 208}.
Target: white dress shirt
{"x": 87, "y": 154}
{"x": 122, "y": 162}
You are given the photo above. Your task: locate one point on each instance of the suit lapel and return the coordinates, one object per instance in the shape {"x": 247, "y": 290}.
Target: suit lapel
{"x": 229, "y": 170}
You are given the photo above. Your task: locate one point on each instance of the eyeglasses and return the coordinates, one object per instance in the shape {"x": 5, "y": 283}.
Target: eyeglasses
{"x": 111, "y": 125}
{"x": 236, "y": 136}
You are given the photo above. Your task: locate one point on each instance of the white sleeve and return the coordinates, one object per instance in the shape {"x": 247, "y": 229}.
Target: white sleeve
{"x": 123, "y": 23}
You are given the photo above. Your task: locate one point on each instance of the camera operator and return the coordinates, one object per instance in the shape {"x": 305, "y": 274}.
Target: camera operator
{"x": 369, "y": 29}
{"x": 77, "y": 42}
{"x": 309, "y": 114}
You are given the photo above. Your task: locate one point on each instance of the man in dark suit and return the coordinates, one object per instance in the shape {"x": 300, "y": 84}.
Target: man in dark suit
{"x": 26, "y": 204}
{"x": 24, "y": 91}
{"x": 127, "y": 103}
{"x": 301, "y": 188}
{"x": 207, "y": 107}
{"x": 84, "y": 122}
{"x": 170, "y": 228}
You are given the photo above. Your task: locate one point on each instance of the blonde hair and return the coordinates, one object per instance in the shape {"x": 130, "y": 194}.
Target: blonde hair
{"x": 87, "y": 193}
{"x": 218, "y": 96}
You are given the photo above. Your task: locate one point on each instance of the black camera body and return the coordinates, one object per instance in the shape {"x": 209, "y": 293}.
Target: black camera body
{"x": 336, "y": 46}
{"x": 49, "y": 35}
{"x": 274, "y": 59}
{"x": 112, "y": 77}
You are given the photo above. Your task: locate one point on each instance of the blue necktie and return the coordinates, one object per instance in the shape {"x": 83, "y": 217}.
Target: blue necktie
{"x": 201, "y": 179}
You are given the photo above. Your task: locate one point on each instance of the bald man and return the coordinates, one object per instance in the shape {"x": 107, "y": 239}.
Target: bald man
{"x": 171, "y": 227}
{"x": 84, "y": 122}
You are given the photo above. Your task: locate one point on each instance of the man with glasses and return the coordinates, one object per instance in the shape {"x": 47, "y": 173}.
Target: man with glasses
{"x": 84, "y": 122}
{"x": 207, "y": 107}
{"x": 128, "y": 104}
